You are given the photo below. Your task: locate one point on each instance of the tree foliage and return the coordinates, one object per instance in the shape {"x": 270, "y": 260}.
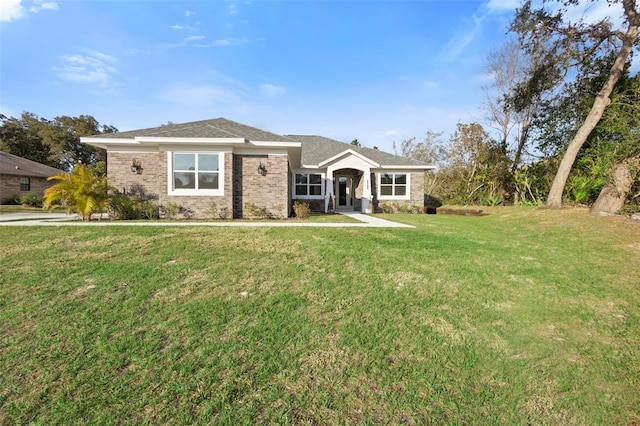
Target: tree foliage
{"x": 566, "y": 46}
{"x": 81, "y": 191}
{"x": 52, "y": 142}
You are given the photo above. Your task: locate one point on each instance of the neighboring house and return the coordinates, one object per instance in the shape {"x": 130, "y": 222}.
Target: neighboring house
{"x": 19, "y": 176}
{"x": 237, "y": 169}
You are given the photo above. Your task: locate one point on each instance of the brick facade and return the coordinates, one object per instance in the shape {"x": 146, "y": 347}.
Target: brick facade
{"x": 245, "y": 190}
{"x": 10, "y": 186}
{"x": 255, "y": 193}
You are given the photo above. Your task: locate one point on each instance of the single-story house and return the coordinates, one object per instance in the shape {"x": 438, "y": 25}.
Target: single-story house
{"x": 19, "y": 176}
{"x": 236, "y": 168}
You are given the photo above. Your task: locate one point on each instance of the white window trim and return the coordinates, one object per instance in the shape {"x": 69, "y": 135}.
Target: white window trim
{"x": 308, "y": 197}
{"x": 407, "y": 195}
{"x": 195, "y": 192}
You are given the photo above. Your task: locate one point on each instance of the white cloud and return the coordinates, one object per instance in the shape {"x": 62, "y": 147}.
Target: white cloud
{"x": 233, "y": 9}
{"x": 181, "y": 28}
{"x": 188, "y": 13}
{"x": 462, "y": 39}
{"x": 271, "y": 90}
{"x": 10, "y": 10}
{"x": 92, "y": 67}
{"x": 195, "y": 38}
{"x": 39, "y": 5}
{"x": 503, "y": 5}
{"x": 592, "y": 13}
{"x": 222, "y": 42}
{"x": 13, "y": 9}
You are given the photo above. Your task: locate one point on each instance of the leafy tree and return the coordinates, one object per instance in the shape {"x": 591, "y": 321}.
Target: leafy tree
{"x": 512, "y": 112}
{"x": 564, "y": 45}
{"x": 355, "y": 142}
{"x": 477, "y": 165}
{"x": 53, "y": 142}
{"x": 613, "y": 141}
{"x": 81, "y": 192}
{"x": 23, "y": 137}
{"x": 431, "y": 149}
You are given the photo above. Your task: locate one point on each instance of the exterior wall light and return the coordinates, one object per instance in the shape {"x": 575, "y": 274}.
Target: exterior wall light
{"x": 262, "y": 169}
{"x": 136, "y": 167}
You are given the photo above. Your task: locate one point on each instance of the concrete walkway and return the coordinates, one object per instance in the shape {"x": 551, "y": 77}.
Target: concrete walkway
{"x": 62, "y": 219}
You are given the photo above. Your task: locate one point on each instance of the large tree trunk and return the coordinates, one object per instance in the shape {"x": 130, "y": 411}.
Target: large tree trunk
{"x": 614, "y": 193}
{"x": 554, "y": 200}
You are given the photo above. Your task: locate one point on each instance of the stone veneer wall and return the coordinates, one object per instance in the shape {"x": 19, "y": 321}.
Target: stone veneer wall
{"x": 10, "y": 186}
{"x": 252, "y": 191}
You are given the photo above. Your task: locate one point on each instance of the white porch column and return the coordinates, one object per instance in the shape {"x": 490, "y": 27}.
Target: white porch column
{"x": 329, "y": 190}
{"x": 366, "y": 191}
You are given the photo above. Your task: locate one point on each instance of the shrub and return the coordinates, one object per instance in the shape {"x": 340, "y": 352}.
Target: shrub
{"x": 212, "y": 211}
{"x": 255, "y": 211}
{"x": 301, "y": 209}
{"x": 31, "y": 199}
{"x": 224, "y": 213}
{"x": 386, "y": 208}
{"x": 11, "y": 201}
{"x": 172, "y": 209}
{"x": 125, "y": 207}
{"x": 81, "y": 191}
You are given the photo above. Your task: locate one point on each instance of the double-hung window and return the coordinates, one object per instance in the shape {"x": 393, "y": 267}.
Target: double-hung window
{"x": 25, "y": 184}
{"x": 308, "y": 185}
{"x": 196, "y": 173}
{"x": 393, "y": 185}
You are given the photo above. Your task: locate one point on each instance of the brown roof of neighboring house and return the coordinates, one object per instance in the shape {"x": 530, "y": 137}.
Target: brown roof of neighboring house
{"x": 13, "y": 165}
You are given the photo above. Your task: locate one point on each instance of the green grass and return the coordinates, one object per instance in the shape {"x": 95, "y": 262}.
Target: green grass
{"x": 520, "y": 317}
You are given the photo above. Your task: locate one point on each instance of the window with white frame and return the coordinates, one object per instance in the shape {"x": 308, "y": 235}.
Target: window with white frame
{"x": 308, "y": 184}
{"x": 393, "y": 185}
{"x": 195, "y": 172}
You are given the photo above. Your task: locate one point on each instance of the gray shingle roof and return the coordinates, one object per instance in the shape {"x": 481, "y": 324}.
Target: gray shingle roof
{"x": 17, "y": 166}
{"x": 316, "y": 149}
{"x": 215, "y": 128}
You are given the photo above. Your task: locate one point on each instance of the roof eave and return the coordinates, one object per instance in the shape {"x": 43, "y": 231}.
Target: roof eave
{"x": 411, "y": 167}
{"x": 345, "y": 153}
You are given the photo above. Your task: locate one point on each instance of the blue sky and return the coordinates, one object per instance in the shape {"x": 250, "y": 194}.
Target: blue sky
{"x": 373, "y": 70}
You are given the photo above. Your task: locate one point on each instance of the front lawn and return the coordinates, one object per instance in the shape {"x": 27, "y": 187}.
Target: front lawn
{"x": 524, "y": 316}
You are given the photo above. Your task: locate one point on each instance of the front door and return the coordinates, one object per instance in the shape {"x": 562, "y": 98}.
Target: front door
{"x": 343, "y": 190}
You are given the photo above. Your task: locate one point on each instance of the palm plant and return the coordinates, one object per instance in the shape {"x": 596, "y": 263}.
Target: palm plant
{"x": 81, "y": 192}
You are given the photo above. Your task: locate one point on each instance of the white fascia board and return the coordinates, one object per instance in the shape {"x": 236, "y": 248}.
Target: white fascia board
{"x": 344, "y": 154}
{"x": 407, "y": 167}
{"x": 190, "y": 141}
{"x": 260, "y": 151}
{"x": 272, "y": 144}
{"x": 193, "y": 148}
{"x": 131, "y": 148}
{"x": 105, "y": 142}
